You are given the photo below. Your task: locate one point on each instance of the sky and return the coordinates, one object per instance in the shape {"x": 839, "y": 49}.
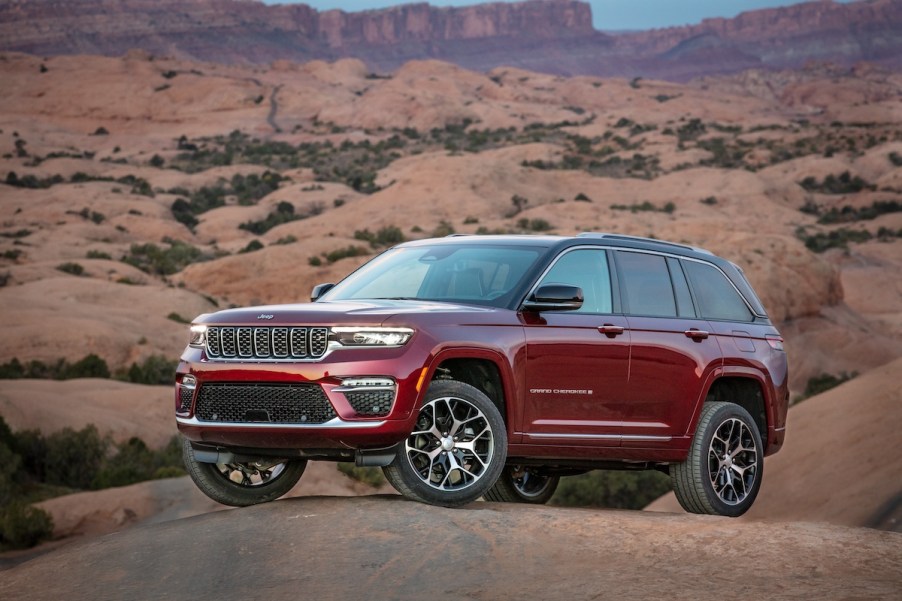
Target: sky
{"x": 607, "y": 14}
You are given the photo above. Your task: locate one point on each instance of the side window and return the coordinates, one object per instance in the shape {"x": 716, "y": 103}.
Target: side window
{"x": 646, "y": 284}
{"x": 588, "y": 269}
{"x": 716, "y": 296}
{"x": 681, "y": 289}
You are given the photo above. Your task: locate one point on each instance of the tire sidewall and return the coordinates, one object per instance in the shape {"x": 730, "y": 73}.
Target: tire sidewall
{"x": 721, "y": 414}
{"x": 413, "y": 487}
{"x": 212, "y": 483}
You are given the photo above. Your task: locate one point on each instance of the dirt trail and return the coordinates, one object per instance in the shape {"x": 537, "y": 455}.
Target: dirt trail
{"x": 385, "y": 547}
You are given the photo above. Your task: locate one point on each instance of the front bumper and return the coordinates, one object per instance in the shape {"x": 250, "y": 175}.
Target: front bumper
{"x": 340, "y": 421}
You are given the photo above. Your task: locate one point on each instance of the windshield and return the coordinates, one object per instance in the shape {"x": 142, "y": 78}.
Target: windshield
{"x": 483, "y": 274}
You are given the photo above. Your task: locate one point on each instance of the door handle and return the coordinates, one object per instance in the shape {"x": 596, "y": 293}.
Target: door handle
{"x": 610, "y": 330}
{"x": 696, "y": 334}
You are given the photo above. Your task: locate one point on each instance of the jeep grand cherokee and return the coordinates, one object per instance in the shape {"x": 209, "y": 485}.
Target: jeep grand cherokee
{"x": 490, "y": 366}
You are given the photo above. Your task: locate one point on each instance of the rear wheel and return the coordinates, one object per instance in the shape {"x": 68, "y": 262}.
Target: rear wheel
{"x": 523, "y": 484}
{"x": 722, "y": 474}
{"x": 457, "y": 448}
{"x": 241, "y": 484}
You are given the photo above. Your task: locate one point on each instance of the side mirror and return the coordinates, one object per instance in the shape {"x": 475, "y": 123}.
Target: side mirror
{"x": 319, "y": 290}
{"x": 555, "y": 297}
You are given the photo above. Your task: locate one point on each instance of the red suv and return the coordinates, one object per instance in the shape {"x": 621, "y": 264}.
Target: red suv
{"x": 490, "y": 366}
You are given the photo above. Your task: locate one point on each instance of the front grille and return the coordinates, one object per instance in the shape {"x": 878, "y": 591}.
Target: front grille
{"x": 275, "y": 403}
{"x": 185, "y": 396}
{"x": 373, "y": 402}
{"x": 267, "y": 343}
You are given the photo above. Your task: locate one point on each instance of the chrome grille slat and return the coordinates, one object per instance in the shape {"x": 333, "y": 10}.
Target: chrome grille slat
{"x": 267, "y": 343}
{"x": 214, "y": 349}
{"x": 299, "y": 342}
{"x": 280, "y": 342}
{"x": 229, "y": 346}
{"x": 261, "y": 343}
{"x": 319, "y": 339}
{"x": 245, "y": 343}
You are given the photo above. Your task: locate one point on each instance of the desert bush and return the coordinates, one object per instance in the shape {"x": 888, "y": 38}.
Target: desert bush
{"x": 284, "y": 213}
{"x": 71, "y": 268}
{"x": 534, "y": 225}
{"x": 645, "y": 206}
{"x": 23, "y": 526}
{"x": 824, "y": 382}
{"x": 155, "y": 260}
{"x": 844, "y": 183}
{"x": 97, "y": 254}
{"x": 74, "y": 458}
{"x": 251, "y": 246}
{"x": 612, "y": 488}
{"x": 444, "y": 228}
{"x": 368, "y": 475}
{"x": 839, "y": 238}
{"x": 385, "y": 236}
{"x": 155, "y": 370}
{"x": 344, "y": 253}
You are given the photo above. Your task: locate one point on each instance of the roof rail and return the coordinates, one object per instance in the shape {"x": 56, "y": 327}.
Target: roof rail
{"x": 642, "y": 239}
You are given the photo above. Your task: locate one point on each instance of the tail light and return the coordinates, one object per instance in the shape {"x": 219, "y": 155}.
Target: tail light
{"x": 775, "y": 341}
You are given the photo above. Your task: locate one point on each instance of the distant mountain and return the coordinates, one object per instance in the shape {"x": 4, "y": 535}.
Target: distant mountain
{"x": 553, "y": 36}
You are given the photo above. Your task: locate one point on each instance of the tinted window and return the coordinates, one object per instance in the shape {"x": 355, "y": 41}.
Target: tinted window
{"x": 479, "y": 274}
{"x": 716, "y": 296}
{"x": 681, "y": 289}
{"x": 588, "y": 269}
{"x": 646, "y": 284}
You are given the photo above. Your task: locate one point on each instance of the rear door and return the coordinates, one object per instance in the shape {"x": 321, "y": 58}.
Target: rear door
{"x": 673, "y": 351}
{"x": 577, "y": 366}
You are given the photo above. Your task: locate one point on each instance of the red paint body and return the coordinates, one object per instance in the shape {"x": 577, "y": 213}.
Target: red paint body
{"x": 576, "y": 389}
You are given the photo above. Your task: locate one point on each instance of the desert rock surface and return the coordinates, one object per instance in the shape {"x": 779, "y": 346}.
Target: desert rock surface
{"x": 97, "y": 152}
{"x": 387, "y": 547}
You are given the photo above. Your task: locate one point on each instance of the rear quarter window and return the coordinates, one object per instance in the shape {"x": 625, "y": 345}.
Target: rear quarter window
{"x": 715, "y": 295}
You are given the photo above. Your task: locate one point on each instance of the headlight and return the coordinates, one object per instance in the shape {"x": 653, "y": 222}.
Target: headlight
{"x": 364, "y": 336}
{"x": 198, "y": 336}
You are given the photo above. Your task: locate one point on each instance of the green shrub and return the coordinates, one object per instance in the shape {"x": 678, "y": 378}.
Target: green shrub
{"x": 284, "y": 213}
{"x": 534, "y": 225}
{"x": 153, "y": 259}
{"x": 251, "y": 246}
{"x": 368, "y": 475}
{"x": 443, "y": 229}
{"x": 97, "y": 254}
{"x": 845, "y": 183}
{"x": 612, "y": 488}
{"x": 23, "y": 526}
{"x": 386, "y": 236}
{"x": 824, "y": 382}
{"x": 344, "y": 253}
{"x": 71, "y": 268}
{"x": 74, "y": 458}
{"x": 155, "y": 370}
{"x": 91, "y": 366}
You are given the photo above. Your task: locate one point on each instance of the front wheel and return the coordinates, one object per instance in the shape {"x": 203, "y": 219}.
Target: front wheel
{"x": 241, "y": 484}
{"x": 523, "y": 484}
{"x": 457, "y": 448}
{"x": 722, "y": 474}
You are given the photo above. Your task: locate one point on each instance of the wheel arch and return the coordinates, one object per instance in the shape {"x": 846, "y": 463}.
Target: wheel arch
{"x": 744, "y": 387}
{"x": 485, "y": 370}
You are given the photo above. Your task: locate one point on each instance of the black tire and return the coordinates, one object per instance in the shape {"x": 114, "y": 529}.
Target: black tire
{"x": 256, "y": 483}
{"x": 523, "y": 484}
{"x": 456, "y": 451}
{"x": 722, "y": 474}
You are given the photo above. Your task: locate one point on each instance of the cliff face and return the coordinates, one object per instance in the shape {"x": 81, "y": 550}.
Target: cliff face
{"x": 554, "y": 36}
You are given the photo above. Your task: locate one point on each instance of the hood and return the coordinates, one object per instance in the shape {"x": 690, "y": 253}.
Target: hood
{"x": 368, "y": 312}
